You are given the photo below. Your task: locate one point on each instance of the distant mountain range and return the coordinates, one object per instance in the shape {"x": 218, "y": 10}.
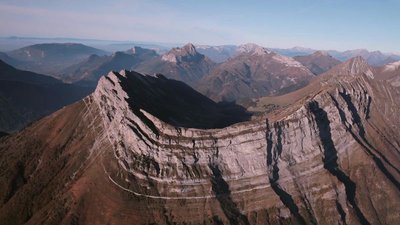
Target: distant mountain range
{"x": 238, "y": 73}
{"x": 15, "y": 42}
{"x": 242, "y": 73}
{"x": 27, "y": 96}
{"x": 151, "y": 150}
{"x": 374, "y": 58}
{"x": 67, "y": 61}
{"x": 51, "y": 58}
{"x": 89, "y": 71}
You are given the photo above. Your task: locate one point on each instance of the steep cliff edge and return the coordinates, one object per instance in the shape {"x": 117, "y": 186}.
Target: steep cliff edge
{"x": 331, "y": 158}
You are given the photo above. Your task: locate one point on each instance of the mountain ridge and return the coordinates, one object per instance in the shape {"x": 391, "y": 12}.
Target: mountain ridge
{"x": 309, "y": 163}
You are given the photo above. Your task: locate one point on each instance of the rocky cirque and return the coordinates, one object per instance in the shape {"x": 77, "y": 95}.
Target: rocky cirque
{"x": 330, "y": 158}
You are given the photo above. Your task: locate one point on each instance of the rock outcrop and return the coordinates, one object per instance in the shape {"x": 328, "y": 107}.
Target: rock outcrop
{"x": 331, "y": 158}
{"x": 354, "y": 66}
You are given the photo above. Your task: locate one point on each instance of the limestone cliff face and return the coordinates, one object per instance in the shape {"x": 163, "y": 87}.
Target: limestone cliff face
{"x": 331, "y": 159}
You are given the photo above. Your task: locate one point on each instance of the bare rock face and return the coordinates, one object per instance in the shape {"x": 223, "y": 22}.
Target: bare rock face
{"x": 354, "y": 66}
{"x": 331, "y": 158}
{"x": 186, "y": 53}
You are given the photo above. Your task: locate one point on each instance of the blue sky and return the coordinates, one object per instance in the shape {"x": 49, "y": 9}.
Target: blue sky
{"x": 321, "y": 24}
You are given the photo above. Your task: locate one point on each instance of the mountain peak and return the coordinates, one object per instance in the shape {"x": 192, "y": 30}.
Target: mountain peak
{"x": 128, "y": 90}
{"x": 354, "y": 66}
{"x": 253, "y": 49}
{"x": 190, "y": 48}
{"x": 186, "y": 53}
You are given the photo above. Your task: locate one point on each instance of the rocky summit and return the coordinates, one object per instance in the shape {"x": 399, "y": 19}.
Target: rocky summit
{"x": 330, "y": 157}
{"x": 184, "y": 64}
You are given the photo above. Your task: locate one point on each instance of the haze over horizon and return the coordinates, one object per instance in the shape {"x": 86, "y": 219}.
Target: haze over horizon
{"x": 339, "y": 25}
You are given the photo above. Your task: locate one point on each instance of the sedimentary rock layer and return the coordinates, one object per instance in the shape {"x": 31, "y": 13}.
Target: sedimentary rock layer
{"x": 331, "y": 159}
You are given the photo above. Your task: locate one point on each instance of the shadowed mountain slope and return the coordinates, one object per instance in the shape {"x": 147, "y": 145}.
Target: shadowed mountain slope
{"x": 27, "y": 96}
{"x": 89, "y": 71}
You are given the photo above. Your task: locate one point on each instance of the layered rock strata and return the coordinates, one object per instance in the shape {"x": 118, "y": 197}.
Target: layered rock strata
{"x": 331, "y": 159}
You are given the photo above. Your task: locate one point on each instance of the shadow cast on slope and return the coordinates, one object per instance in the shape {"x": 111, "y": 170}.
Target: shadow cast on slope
{"x": 331, "y": 157}
{"x": 272, "y": 163}
{"x": 223, "y": 195}
{"x": 3, "y": 134}
{"x": 176, "y": 103}
{"x": 364, "y": 142}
